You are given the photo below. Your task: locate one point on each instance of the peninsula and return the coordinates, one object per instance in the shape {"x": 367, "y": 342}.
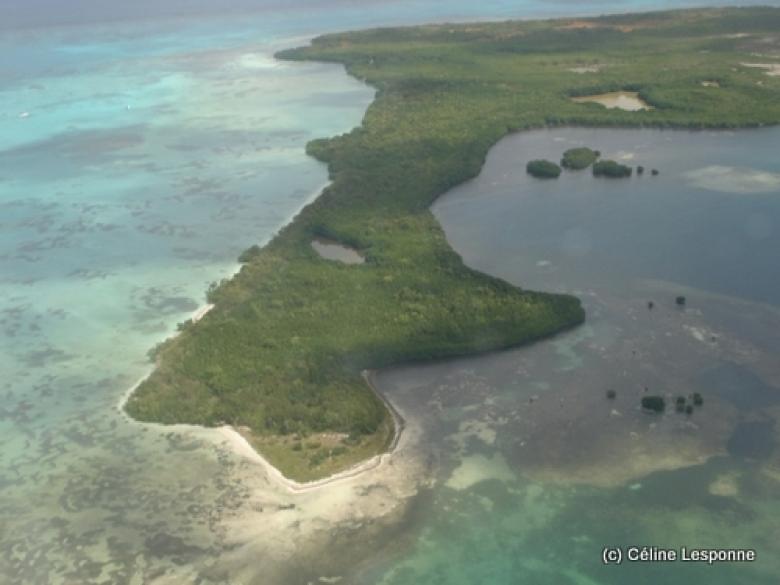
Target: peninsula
{"x": 281, "y": 355}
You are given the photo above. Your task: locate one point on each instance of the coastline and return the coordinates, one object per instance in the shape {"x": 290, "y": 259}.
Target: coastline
{"x": 239, "y": 445}
{"x": 237, "y": 442}
{"x": 357, "y": 141}
{"x": 201, "y": 312}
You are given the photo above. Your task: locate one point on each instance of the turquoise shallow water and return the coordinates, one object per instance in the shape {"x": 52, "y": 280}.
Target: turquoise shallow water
{"x": 137, "y": 160}
{"x": 136, "y": 164}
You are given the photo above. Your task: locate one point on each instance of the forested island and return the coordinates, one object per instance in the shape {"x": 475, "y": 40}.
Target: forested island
{"x": 543, "y": 169}
{"x": 611, "y": 169}
{"x": 280, "y": 356}
{"x": 577, "y": 159}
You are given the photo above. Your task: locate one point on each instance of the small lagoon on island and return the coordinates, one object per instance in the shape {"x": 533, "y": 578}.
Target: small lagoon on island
{"x": 331, "y": 250}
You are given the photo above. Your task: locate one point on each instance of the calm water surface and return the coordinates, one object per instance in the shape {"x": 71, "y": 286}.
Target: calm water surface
{"x": 537, "y": 469}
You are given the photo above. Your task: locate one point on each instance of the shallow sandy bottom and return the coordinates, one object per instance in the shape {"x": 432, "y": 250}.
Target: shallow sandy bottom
{"x": 321, "y": 527}
{"x": 567, "y": 431}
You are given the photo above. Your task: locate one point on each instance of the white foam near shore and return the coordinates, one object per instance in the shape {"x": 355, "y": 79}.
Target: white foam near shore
{"x": 200, "y": 313}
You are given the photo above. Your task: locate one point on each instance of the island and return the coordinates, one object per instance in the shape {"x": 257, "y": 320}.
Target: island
{"x": 655, "y": 404}
{"x": 543, "y": 169}
{"x": 611, "y": 169}
{"x": 580, "y": 158}
{"x": 286, "y": 354}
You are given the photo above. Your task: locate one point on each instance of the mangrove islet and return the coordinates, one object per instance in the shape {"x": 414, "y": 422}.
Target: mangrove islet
{"x": 543, "y": 169}
{"x": 579, "y": 158}
{"x": 611, "y": 169}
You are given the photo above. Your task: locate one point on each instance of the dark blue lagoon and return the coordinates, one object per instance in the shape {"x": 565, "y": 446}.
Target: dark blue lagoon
{"x": 538, "y": 465}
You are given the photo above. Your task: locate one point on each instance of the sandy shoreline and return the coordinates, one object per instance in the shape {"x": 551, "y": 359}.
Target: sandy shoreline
{"x": 200, "y": 313}
{"x": 239, "y": 445}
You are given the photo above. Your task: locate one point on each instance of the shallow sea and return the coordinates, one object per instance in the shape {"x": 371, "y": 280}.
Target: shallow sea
{"x": 138, "y": 159}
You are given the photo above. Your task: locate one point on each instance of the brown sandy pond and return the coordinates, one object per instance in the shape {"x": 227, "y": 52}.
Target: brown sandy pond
{"x": 623, "y": 100}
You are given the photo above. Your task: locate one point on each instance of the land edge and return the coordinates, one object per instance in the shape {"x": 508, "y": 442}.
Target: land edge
{"x": 239, "y": 445}
{"x": 563, "y": 330}
{"x": 238, "y": 442}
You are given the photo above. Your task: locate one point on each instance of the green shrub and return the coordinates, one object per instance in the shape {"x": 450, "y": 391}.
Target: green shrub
{"x": 654, "y": 403}
{"x": 543, "y": 169}
{"x": 579, "y": 158}
{"x": 610, "y": 169}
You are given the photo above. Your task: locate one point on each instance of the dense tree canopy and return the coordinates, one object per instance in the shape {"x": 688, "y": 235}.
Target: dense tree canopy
{"x": 282, "y": 351}
{"x": 543, "y": 169}
{"x": 611, "y": 169}
{"x": 579, "y": 158}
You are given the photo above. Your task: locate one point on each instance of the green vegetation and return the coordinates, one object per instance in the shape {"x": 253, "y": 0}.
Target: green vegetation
{"x": 654, "y": 403}
{"x": 577, "y": 159}
{"x": 611, "y": 394}
{"x": 543, "y": 169}
{"x": 611, "y": 169}
{"x": 281, "y": 353}
{"x": 697, "y": 399}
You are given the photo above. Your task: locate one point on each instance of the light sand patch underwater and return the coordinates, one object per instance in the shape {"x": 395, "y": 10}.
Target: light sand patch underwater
{"x": 734, "y": 179}
{"x": 477, "y": 468}
{"x": 274, "y": 525}
{"x": 725, "y": 485}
